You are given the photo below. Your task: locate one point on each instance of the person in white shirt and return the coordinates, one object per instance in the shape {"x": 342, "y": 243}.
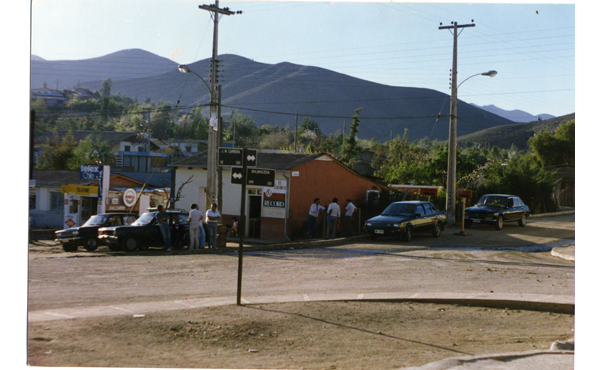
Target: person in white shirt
{"x": 334, "y": 212}
{"x": 197, "y": 236}
{"x": 348, "y": 216}
{"x": 313, "y": 214}
{"x": 212, "y": 220}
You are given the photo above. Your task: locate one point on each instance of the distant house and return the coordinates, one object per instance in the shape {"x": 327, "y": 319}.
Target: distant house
{"x": 53, "y": 98}
{"x": 134, "y": 152}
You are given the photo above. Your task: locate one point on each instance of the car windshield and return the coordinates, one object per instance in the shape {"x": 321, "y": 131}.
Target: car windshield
{"x": 144, "y": 219}
{"x": 492, "y": 201}
{"x": 96, "y": 220}
{"x": 397, "y": 209}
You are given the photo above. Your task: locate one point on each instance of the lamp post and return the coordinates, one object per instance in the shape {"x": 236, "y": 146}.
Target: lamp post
{"x": 451, "y": 180}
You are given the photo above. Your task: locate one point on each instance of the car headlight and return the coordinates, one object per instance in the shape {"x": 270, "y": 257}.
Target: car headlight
{"x": 368, "y": 224}
{"x": 396, "y": 225}
{"x": 75, "y": 233}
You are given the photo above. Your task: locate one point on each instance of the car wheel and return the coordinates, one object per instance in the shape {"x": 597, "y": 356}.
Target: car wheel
{"x": 91, "y": 244}
{"x": 70, "y": 247}
{"x": 499, "y": 223}
{"x": 408, "y": 234}
{"x": 130, "y": 244}
{"x": 437, "y": 230}
{"x": 523, "y": 220}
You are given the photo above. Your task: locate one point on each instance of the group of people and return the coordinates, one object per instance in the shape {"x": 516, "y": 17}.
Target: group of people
{"x": 197, "y": 219}
{"x": 333, "y": 214}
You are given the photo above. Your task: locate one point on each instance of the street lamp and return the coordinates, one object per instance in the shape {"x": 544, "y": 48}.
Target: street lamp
{"x": 451, "y": 180}
{"x": 211, "y": 155}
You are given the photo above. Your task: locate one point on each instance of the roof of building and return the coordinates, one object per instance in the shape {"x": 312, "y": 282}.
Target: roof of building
{"x": 153, "y": 179}
{"x": 276, "y": 161}
{"x": 56, "y": 179}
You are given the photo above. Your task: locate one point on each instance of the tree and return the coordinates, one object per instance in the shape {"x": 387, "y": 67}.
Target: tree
{"x": 91, "y": 151}
{"x": 57, "y": 155}
{"x": 350, "y": 149}
{"x": 554, "y": 149}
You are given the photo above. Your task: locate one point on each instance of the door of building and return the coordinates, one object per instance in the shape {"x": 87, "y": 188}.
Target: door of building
{"x": 254, "y": 214}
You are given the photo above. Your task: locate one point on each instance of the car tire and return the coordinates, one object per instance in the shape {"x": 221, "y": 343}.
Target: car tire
{"x": 91, "y": 244}
{"x": 499, "y": 223}
{"x": 130, "y": 244}
{"x": 437, "y": 229}
{"x": 523, "y": 220}
{"x": 70, "y": 247}
{"x": 408, "y": 234}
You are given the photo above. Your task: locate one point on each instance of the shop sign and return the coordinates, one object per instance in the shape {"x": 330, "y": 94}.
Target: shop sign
{"x": 80, "y": 190}
{"x": 90, "y": 172}
{"x": 129, "y": 197}
{"x": 273, "y": 199}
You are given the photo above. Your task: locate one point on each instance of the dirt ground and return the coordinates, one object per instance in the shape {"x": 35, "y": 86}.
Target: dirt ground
{"x": 310, "y": 335}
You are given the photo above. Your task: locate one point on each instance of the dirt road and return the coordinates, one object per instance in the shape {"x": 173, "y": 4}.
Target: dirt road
{"x": 306, "y": 334}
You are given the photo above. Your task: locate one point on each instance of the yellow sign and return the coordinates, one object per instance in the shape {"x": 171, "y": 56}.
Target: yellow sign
{"x": 80, "y": 190}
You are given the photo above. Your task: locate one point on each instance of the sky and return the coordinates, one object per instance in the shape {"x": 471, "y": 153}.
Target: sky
{"x": 532, "y": 47}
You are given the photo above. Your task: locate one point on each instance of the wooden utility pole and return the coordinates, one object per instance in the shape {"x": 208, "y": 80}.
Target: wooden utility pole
{"x": 451, "y": 180}
{"x": 211, "y": 187}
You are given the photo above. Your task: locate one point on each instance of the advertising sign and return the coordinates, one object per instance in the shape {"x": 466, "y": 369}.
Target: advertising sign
{"x": 129, "y": 197}
{"x": 90, "y": 172}
{"x": 273, "y": 199}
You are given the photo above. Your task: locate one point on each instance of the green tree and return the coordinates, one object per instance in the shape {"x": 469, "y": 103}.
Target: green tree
{"x": 554, "y": 149}
{"x": 246, "y": 133}
{"x": 91, "y": 151}
{"x": 350, "y": 149}
{"x": 56, "y": 154}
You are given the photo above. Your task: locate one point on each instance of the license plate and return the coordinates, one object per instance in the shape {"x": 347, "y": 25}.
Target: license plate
{"x": 476, "y": 221}
{"x": 379, "y": 231}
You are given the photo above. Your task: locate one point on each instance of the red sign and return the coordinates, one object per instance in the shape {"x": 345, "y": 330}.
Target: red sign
{"x": 466, "y": 194}
{"x": 70, "y": 222}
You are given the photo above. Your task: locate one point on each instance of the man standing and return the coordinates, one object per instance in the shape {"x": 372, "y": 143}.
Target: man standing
{"x": 334, "y": 212}
{"x": 212, "y": 220}
{"x": 163, "y": 223}
{"x": 348, "y": 216}
{"x": 313, "y": 214}
{"x": 196, "y": 228}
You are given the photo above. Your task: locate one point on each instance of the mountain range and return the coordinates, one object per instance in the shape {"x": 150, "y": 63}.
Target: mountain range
{"x": 272, "y": 94}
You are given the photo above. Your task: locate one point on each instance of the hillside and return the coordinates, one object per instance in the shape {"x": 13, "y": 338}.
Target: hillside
{"x": 518, "y": 133}
{"x": 514, "y": 115}
{"x": 63, "y": 74}
{"x": 272, "y": 94}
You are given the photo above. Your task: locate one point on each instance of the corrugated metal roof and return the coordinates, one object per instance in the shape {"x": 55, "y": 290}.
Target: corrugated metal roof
{"x": 154, "y": 179}
{"x": 56, "y": 179}
{"x": 275, "y": 161}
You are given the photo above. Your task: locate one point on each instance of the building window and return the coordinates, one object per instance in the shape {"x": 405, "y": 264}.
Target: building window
{"x": 56, "y": 201}
{"x": 127, "y": 148}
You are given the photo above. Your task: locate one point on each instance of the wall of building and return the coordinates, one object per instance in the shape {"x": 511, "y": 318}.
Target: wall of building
{"x": 324, "y": 178}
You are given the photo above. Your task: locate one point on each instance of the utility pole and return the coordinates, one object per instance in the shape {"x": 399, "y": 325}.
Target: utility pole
{"x": 451, "y": 180}
{"x": 211, "y": 186}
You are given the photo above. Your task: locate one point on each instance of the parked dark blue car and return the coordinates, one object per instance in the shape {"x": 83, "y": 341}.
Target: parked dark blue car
{"x": 402, "y": 219}
{"x": 496, "y": 209}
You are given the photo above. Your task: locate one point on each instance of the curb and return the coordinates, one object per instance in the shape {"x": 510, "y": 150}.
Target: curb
{"x": 469, "y": 362}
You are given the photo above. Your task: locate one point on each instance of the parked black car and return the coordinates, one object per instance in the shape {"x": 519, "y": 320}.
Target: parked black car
{"x": 402, "y": 219}
{"x": 145, "y": 233}
{"x": 496, "y": 209}
{"x": 86, "y": 235}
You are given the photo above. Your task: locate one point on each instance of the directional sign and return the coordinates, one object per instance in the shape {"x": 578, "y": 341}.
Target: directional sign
{"x": 237, "y": 175}
{"x": 260, "y": 177}
{"x": 250, "y": 158}
{"x": 231, "y": 156}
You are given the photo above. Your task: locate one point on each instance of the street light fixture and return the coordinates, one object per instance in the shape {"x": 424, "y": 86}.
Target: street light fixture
{"x": 185, "y": 69}
{"x": 451, "y": 180}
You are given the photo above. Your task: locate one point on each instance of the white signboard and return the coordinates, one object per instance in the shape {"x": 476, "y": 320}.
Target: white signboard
{"x": 129, "y": 197}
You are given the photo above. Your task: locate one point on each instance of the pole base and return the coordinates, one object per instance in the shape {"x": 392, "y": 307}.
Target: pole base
{"x": 462, "y": 233}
